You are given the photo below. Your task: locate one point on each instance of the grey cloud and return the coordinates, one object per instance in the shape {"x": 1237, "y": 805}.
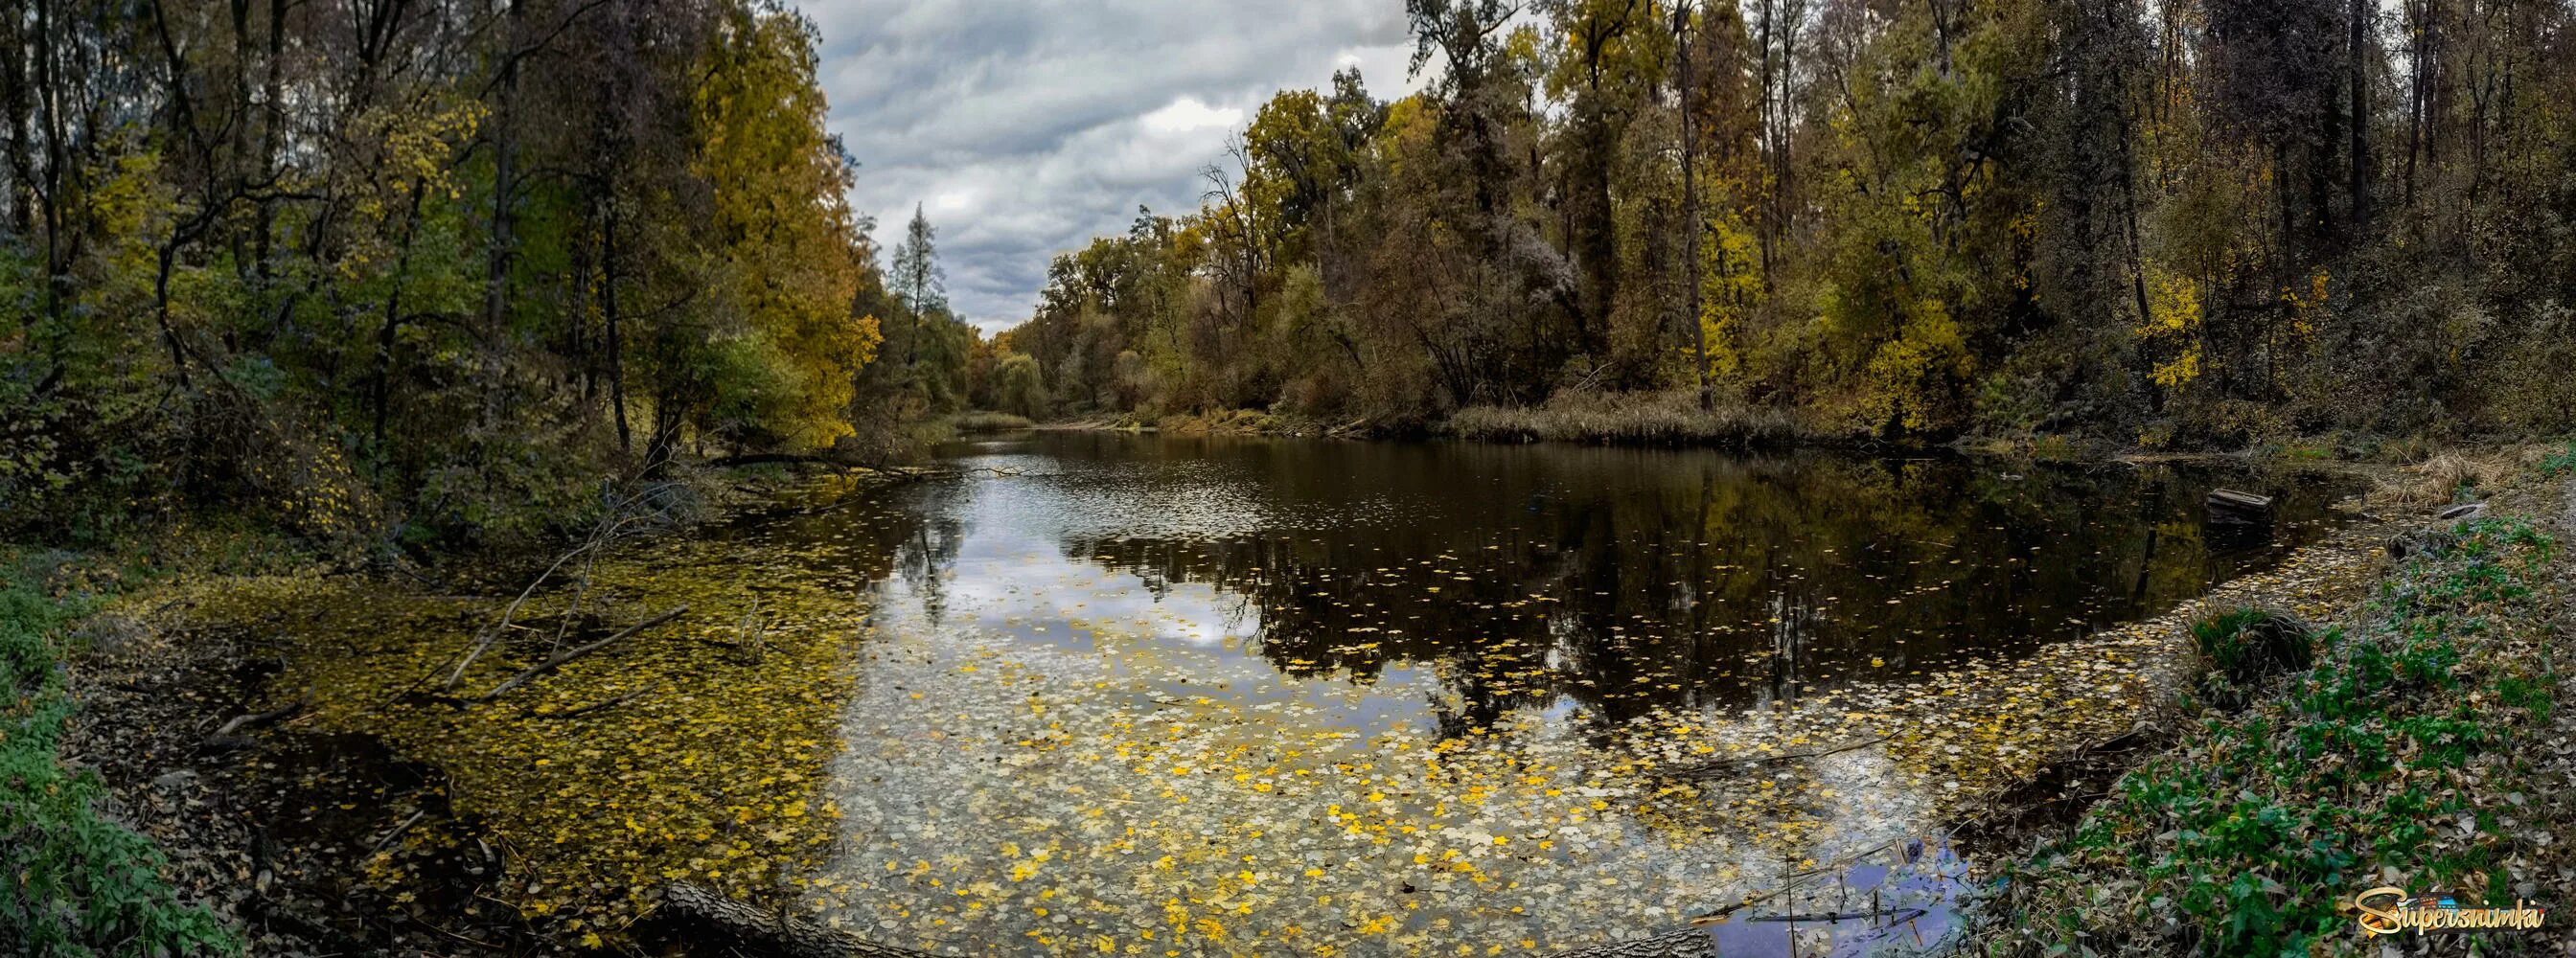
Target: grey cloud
{"x": 1021, "y": 126}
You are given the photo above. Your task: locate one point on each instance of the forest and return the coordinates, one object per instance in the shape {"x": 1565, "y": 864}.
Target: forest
{"x": 356, "y": 263}
{"x": 462, "y": 490}
{"x": 2190, "y": 224}
{"x": 366, "y": 267}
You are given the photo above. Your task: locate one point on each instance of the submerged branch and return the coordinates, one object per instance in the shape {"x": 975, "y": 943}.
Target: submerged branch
{"x": 706, "y": 915}
{"x": 255, "y": 719}
{"x": 595, "y": 706}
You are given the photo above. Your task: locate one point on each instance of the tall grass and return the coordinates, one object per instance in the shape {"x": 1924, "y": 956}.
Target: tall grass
{"x": 987, "y": 421}
{"x": 1670, "y": 418}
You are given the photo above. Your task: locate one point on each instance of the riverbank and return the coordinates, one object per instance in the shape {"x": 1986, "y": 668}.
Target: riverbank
{"x": 1638, "y": 419}
{"x": 2428, "y": 750}
{"x": 468, "y": 820}
{"x": 1674, "y": 419}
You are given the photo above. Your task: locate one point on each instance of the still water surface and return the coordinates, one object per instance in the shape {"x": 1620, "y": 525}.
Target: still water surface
{"x": 1153, "y": 695}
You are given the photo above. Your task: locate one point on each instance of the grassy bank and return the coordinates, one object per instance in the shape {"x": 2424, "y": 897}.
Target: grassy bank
{"x": 73, "y": 881}
{"x": 1638, "y": 419}
{"x": 1669, "y": 418}
{"x": 2426, "y": 749}
{"x": 968, "y": 423}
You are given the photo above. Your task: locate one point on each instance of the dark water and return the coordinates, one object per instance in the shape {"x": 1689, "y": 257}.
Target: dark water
{"x": 1619, "y": 580}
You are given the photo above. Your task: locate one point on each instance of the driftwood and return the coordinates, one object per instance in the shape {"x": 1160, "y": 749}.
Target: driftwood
{"x": 558, "y": 659}
{"x": 625, "y": 515}
{"x": 1894, "y": 916}
{"x": 224, "y": 740}
{"x": 1687, "y": 943}
{"x": 705, "y": 915}
{"x": 2234, "y": 507}
{"x": 256, "y": 719}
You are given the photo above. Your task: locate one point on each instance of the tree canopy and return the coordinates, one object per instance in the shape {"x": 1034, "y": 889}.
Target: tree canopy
{"x": 2159, "y": 222}
{"x": 378, "y": 264}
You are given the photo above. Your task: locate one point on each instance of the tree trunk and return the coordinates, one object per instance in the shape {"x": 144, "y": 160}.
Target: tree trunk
{"x": 616, "y": 344}
{"x": 2360, "y": 175}
{"x": 1690, "y": 208}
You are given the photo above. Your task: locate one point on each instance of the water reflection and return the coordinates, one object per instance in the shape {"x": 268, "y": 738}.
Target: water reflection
{"x": 1168, "y": 695}
{"x": 1618, "y": 580}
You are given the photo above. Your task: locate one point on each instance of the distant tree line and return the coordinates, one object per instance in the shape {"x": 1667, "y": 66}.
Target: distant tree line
{"x": 2165, "y": 222}
{"x": 428, "y": 267}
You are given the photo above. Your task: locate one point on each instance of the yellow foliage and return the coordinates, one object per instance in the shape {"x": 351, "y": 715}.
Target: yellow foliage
{"x": 788, "y": 239}
{"x": 2174, "y": 315}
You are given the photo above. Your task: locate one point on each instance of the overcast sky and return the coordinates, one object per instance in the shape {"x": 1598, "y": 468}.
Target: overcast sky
{"x": 1026, "y": 127}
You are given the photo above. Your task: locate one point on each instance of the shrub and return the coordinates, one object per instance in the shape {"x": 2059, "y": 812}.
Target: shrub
{"x": 2246, "y": 648}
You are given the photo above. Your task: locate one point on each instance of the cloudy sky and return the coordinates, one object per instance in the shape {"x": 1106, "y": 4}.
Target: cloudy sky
{"x": 1026, "y": 127}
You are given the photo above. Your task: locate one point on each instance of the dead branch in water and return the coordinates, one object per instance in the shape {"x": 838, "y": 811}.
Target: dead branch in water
{"x": 558, "y": 659}
{"x": 1895, "y": 916}
{"x": 624, "y": 516}
{"x": 240, "y": 722}
{"x": 594, "y": 706}
{"x": 223, "y": 739}
{"x": 703, "y": 914}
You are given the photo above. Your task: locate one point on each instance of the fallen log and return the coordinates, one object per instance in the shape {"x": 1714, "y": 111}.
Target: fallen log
{"x": 705, "y": 915}
{"x": 2234, "y": 507}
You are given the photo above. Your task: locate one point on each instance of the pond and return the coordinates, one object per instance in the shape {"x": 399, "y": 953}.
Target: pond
{"x": 1108, "y": 693}
{"x": 1148, "y": 694}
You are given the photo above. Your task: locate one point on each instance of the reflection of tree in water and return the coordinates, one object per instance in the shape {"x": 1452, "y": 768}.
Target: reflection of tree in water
{"x": 868, "y": 540}
{"x": 1621, "y": 580}
{"x": 1734, "y": 583}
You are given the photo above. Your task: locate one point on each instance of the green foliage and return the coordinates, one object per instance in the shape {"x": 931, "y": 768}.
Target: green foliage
{"x": 2559, "y": 463}
{"x": 415, "y": 294}
{"x": 72, "y": 881}
{"x": 2246, "y": 647}
{"x": 2243, "y": 838}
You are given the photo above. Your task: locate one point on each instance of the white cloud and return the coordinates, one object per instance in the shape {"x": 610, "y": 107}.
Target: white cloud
{"x": 1187, "y": 113}
{"x": 1026, "y": 127}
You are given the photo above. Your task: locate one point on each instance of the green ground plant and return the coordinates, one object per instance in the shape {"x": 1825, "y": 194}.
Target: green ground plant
{"x": 2403, "y": 757}
{"x": 73, "y": 882}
